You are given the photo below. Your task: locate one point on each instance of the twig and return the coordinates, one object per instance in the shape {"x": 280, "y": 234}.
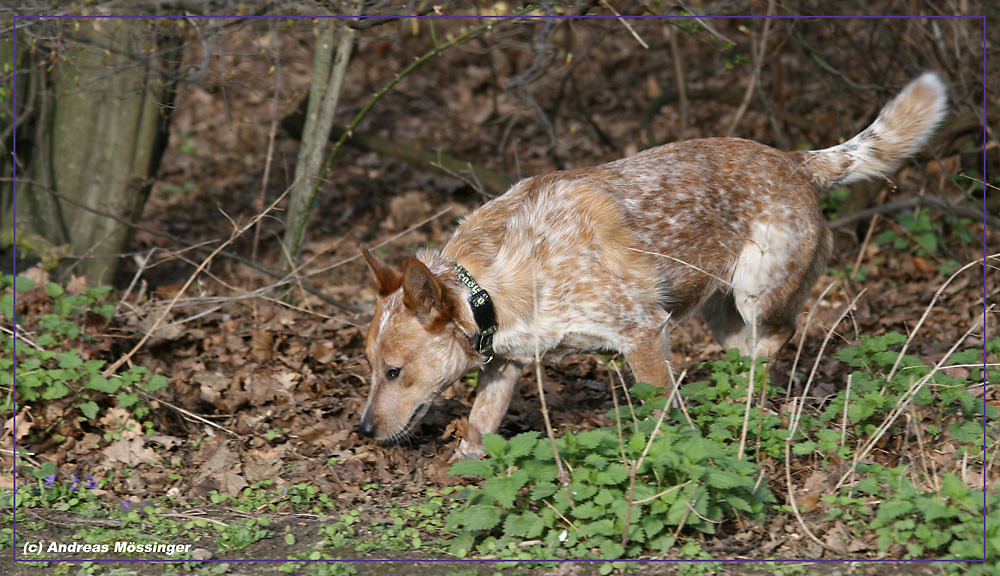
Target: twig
{"x": 675, "y": 54}
{"x": 270, "y": 138}
{"x": 912, "y": 202}
{"x": 906, "y": 398}
{"x": 236, "y": 234}
{"x": 563, "y": 477}
{"x": 791, "y": 491}
{"x": 374, "y": 99}
{"x": 802, "y": 337}
{"x": 759, "y": 61}
{"x": 187, "y": 413}
{"x": 796, "y": 415}
{"x": 630, "y": 29}
{"x": 934, "y": 300}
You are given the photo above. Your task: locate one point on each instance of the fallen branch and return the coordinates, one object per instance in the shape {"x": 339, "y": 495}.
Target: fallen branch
{"x": 912, "y": 202}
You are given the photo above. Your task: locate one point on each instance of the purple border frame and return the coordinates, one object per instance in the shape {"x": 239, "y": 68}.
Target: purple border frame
{"x": 476, "y": 560}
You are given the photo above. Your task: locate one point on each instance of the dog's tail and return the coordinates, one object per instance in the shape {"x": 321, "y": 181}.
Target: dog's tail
{"x": 903, "y": 126}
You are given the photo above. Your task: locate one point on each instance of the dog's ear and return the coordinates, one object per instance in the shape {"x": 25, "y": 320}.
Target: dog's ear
{"x": 386, "y": 277}
{"x": 424, "y": 294}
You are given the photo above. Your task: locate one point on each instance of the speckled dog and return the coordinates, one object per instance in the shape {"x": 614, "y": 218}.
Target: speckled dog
{"x": 602, "y": 258}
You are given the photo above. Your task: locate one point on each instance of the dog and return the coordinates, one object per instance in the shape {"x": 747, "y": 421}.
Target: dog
{"x": 604, "y": 258}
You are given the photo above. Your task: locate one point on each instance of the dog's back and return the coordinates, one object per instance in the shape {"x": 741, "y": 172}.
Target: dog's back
{"x": 604, "y": 257}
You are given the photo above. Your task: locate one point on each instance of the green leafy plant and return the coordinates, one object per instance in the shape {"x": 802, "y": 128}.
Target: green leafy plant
{"x": 57, "y": 365}
{"x": 682, "y": 481}
{"x": 717, "y": 406}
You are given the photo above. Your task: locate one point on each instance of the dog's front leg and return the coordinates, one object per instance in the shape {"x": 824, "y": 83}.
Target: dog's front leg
{"x": 494, "y": 390}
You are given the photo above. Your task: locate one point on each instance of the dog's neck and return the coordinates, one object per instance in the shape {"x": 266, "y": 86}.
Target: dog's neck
{"x": 482, "y": 311}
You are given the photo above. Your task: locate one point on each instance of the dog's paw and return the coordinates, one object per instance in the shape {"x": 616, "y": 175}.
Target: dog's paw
{"x": 467, "y": 451}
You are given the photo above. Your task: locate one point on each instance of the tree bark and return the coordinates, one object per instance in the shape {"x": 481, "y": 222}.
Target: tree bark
{"x": 323, "y": 97}
{"x": 96, "y": 135}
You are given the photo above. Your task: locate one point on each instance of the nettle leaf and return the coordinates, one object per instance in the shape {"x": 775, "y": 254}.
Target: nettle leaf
{"x": 494, "y": 445}
{"x": 678, "y": 511}
{"x": 542, "y": 490}
{"x": 724, "y": 479}
{"x": 611, "y": 549}
{"x": 504, "y": 489}
{"x": 127, "y": 400}
{"x": 69, "y": 360}
{"x": 698, "y": 449}
{"x": 652, "y": 525}
{"x": 587, "y": 510}
{"x": 55, "y": 390}
{"x": 891, "y": 509}
{"x": 591, "y": 439}
{"x": 89, "y": 409}
{"x": 156, "y": 382}
{"x": 526, "y": 525}
{"x": 615, "y": 473}
{"x": 952, "y": 487}
{"x": 605, "y": 497}
{"x": 595, "y": 461}
{"x": 540, "y": 471}
{"x": 738, "y": 503}
{"x": 803, "y": 448}
{"x": 101, "y": 384}
{"x": 933, "y": 509}
{"x": 477, "y": 468}
{"x": 521, "y": 445}
{"x": 479, "y": 517}
{"x": 543, "y": 452}
{"x": 54, "y": 290}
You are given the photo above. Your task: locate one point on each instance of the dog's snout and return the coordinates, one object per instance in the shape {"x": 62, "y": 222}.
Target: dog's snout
{"x": 367, "y": 427}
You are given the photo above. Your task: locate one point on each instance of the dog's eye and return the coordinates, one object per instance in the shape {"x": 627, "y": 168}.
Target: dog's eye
{"x": 392, "y": 373}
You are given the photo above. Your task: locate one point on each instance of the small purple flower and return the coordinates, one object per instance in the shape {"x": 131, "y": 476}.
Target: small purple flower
{"x": 91, "y": 484}
{"x": 125, "y": 503}
{"x": 50, "y": 481}
{"x": 75, "y": 481}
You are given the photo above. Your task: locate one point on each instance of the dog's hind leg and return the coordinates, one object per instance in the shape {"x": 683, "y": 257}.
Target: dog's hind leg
{"x": 648, "y": 351}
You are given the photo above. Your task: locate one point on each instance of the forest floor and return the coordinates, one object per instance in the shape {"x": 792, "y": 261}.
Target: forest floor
{"x": 252, "y": 452}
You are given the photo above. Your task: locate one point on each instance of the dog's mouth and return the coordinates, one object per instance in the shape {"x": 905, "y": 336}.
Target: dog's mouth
{"x": 407, "y": 429}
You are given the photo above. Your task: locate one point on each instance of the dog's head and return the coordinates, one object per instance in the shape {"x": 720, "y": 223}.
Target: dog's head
{"x": 415, "y": 347}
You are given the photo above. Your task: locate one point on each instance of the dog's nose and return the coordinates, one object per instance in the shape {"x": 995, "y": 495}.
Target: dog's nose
{"x": 367, "y": 427}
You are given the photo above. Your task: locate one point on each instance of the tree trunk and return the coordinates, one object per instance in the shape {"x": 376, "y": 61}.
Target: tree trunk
{"x": 329, "y": 68}
{"x": 95, "y": 139}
